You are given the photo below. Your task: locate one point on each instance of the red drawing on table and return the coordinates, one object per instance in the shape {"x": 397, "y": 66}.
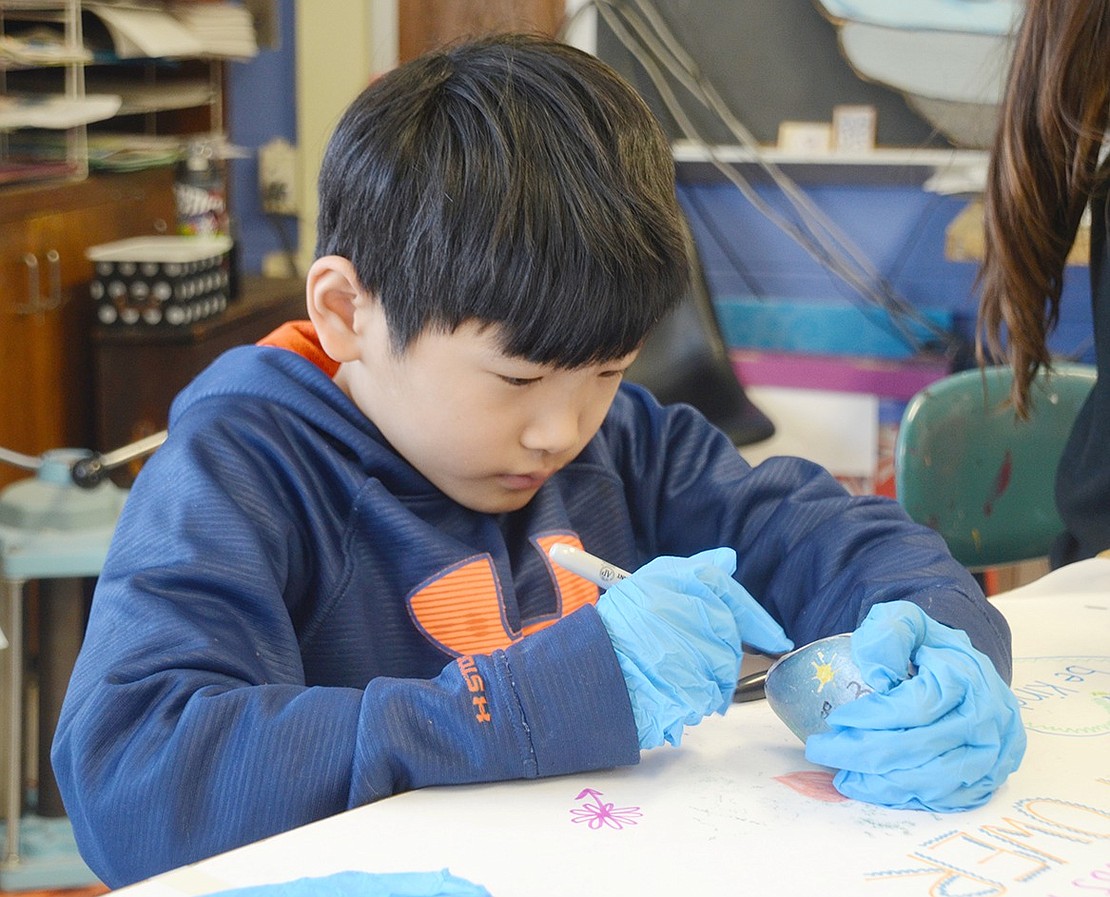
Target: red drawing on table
{"x": 813, "y": 783}
{"x": 597, "y": 813}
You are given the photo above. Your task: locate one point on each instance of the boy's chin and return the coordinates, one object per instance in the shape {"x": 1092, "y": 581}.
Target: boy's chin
{"x": 494, "y": 500}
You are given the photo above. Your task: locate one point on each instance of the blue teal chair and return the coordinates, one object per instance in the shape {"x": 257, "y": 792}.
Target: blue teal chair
{"x": 967, "y": 467}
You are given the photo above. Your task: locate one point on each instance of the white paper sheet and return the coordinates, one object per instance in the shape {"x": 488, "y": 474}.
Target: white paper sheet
{"x": 737, "y": 809}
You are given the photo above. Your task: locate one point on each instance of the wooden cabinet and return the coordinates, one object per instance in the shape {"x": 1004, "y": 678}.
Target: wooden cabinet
{"x": 137, "y": 371}
{"x": 46, "y": 316}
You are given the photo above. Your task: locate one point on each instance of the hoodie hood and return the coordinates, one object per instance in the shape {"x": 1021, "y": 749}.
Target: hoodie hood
{"x": 267, "y": 377}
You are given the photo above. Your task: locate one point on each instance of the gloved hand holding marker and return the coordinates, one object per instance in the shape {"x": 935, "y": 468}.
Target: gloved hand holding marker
{"x": 603, "y": 574}
{"x": 676, "y": 626}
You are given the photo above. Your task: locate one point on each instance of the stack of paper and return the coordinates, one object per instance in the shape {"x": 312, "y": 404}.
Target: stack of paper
{"x": 223, "y": 29}
{"x": 139, "y": 97}
{"x": 40, "y": 46}
{"x": 106, "y": 151}
{"x": 145, "y": 32}
{"x": 178, "y": 29}
{"x": 55, "y": 111}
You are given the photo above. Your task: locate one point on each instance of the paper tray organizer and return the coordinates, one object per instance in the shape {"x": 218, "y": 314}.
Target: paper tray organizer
{"x": 166, "y": 281}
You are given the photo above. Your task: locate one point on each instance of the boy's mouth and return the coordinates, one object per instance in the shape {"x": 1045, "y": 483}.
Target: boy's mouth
{"x": 524, "y": 481}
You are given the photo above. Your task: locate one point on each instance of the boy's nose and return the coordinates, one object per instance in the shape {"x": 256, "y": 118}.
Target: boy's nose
{"x": 553, "y": 432}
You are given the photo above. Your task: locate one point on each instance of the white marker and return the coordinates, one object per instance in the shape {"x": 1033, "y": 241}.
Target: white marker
{"x": 600, "y": 573}
{"x": 603, "y": 574}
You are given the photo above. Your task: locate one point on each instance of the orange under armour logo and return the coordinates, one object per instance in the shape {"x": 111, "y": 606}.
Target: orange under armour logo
{"x": 476, "y": 686}
{"x": 462, "y": 610}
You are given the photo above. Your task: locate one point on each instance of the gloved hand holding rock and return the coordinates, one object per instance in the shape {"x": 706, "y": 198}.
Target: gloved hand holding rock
{"x": 943, "y": 739}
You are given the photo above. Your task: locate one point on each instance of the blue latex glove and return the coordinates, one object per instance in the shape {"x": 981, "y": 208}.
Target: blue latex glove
{"x": 367, "y": 884}
{"x": 943, "y": 739}
{"x": 676, "y": 625}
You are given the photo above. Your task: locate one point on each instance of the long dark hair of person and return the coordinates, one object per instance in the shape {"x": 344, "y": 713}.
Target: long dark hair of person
{"x": 1043, "y": 170}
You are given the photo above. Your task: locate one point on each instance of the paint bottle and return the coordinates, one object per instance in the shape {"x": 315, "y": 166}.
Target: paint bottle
{"x": 200, "y": 191}
{"x": 200, "y": 196}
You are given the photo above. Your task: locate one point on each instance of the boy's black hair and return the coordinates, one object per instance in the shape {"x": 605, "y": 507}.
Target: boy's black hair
{"x": 512, "y": 180}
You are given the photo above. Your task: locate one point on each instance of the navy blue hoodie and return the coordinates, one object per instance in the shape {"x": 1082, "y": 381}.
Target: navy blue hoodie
{"x": 292, "y": 621}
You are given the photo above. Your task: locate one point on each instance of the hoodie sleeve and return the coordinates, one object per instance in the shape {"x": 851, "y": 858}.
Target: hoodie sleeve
{"x": 815, "y": 556}
{"x": 188, "y": 728}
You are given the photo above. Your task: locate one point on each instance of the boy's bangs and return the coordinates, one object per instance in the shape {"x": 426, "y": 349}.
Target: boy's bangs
{"x": 569, "y": 314}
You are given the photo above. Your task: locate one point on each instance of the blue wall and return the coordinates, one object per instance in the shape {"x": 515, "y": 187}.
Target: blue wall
{"x": 901, "y": 229}
{"x": 261, "y": 106}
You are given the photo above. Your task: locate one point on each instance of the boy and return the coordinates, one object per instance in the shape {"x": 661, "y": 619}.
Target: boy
{"x": 332, "y": 583}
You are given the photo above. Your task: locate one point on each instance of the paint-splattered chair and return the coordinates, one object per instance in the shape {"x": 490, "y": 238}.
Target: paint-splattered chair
{"x": 967, "y": 467}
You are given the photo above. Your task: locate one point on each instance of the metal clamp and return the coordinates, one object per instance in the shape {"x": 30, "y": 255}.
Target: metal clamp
{"x": 90, "y": 471}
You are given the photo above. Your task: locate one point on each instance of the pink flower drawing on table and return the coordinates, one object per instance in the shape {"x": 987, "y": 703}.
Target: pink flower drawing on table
{"x": 597, "y": 813}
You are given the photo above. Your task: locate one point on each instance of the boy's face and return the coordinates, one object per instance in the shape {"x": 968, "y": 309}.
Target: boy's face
{"x": 485, "y": 428}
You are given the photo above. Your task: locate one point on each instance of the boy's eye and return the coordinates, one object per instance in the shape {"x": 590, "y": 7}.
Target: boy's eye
{"x": 518, "y": 381}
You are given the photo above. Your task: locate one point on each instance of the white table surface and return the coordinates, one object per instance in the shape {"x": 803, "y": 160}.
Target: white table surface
{"x": 737, "y": 809}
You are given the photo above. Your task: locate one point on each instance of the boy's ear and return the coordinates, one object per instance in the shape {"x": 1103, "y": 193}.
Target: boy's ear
{"x": 333, "y": 295}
